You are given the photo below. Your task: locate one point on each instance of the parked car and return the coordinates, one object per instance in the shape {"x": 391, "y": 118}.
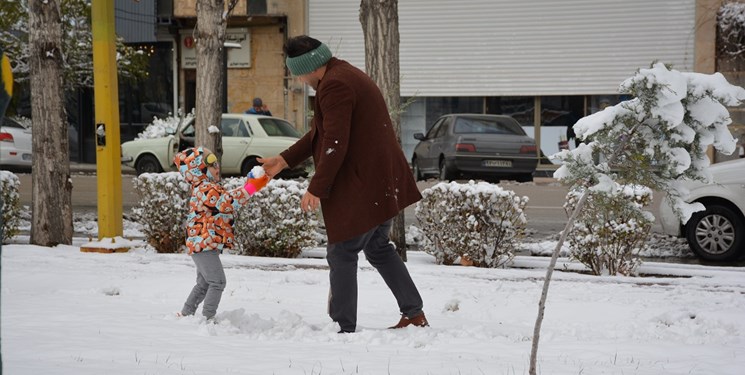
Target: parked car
{"x": 245, "y": 138}
{"x": 718, "y": 232}
{"x": 475, "y": 145}
{"x": 15, "y": 144}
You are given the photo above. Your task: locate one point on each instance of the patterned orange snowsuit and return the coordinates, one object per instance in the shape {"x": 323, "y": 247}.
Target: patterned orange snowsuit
{"x": 209, "y": 225}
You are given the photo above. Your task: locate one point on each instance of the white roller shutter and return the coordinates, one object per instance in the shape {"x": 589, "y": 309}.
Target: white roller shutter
{"x": 519, "y": 47}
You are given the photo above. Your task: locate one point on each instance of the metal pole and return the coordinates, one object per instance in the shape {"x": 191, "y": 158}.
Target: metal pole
{"x": 106, "y": 96}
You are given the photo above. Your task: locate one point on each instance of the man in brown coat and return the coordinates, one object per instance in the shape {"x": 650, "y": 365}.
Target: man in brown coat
{"x": 362, "y": 178}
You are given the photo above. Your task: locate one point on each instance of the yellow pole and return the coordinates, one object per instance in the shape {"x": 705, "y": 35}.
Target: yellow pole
{"x": 108, "y": 158}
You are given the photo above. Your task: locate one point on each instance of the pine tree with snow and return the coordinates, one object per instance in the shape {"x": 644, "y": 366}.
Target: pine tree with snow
{"x": 657, "y": 139}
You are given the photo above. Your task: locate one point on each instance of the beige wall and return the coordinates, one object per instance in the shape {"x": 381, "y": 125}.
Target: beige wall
{"x": 705, "y": 34}
{"x": 706, "y": 62}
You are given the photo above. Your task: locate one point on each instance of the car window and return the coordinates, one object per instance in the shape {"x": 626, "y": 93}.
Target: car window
{"x": 431, "y": 133}
{"x": 12, "y": 123}
{"x": 443, "y": 130}
{"x": 233, "y": 127}
{"x": 278, "y": 128}
{"x": 482, "y": 125}
{"x": 188, "y": 130}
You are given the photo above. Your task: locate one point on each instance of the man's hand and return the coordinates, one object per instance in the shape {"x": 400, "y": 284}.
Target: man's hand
{"x": 273, "y": 165}
{"x": 309, "y": 202}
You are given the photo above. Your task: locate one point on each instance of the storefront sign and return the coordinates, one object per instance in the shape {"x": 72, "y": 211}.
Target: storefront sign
{"x": 237, "y": 57}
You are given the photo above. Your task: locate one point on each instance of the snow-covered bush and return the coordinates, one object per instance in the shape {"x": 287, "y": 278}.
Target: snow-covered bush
{"x": 478, "y": 220}
{"x": 272, "y": 223}
{"x": 9, "y": 204}
{"x": 164, "y": 204}
{"x": 611, "y": 229}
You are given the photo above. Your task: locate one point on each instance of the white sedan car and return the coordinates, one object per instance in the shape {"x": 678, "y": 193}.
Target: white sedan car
{"x": 245, "y": 137}
{"x": 718, "y": 232}
{"x": 15, "y": 144}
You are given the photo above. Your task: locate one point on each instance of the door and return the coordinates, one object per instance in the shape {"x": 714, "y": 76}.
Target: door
{"x": 235, "y": 142}
{"x": 435, "y": 144}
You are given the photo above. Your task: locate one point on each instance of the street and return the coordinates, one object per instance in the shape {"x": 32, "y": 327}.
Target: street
{"x": 545, "y": 213}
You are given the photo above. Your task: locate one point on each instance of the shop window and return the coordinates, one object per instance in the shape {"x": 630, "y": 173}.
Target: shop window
{"x": 437, "y": 106}
{"x": 518, "y": 107}
{"x": 562, "y": 110}
{"x": 597, "y": 103}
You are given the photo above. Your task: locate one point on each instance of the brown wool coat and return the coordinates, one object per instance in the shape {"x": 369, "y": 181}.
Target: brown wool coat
{"x": 362, "y": 176}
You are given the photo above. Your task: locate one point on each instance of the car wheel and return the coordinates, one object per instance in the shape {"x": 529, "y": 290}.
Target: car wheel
{"x": 415, "y": 169}
{"x": 717, "y": 233}
{"x": 248, "y": 164}
{"x": 148, "y": 164}
{"x": 445, "y": 173}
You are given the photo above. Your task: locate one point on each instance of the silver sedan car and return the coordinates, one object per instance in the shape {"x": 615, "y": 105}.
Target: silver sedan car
{"x": 475, "y": 145}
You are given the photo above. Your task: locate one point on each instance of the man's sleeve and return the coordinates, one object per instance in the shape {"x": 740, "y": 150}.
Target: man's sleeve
{"x": 337, "y": 104}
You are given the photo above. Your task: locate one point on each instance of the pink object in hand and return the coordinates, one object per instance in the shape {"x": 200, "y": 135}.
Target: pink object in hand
{"x": 255, "y": 184}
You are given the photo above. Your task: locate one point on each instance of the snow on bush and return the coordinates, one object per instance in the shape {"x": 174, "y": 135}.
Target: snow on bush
{"x": 9, "y": 204}
{"x": 272, "y": 224}
{"x": 164, "y": 204}
{"x": 480, "y": 221}
{"x": 164, "y": 127}
{"x": 611, "y": 229}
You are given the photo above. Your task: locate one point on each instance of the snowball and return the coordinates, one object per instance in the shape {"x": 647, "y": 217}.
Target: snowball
{"x": 258, "y": 171}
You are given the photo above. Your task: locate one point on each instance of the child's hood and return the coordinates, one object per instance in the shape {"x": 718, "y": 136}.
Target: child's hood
{"x": 192, "y": 165}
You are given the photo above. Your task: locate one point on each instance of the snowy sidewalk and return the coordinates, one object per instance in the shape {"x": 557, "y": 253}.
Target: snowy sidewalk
{"x": 67, "y": 312}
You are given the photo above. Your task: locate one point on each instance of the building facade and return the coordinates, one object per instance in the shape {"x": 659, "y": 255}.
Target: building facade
{"x": 545, "y": 63}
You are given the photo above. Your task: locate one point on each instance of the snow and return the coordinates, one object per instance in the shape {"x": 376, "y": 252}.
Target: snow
{"x": 257, "y": 171}
{"x": 68, "y": 312}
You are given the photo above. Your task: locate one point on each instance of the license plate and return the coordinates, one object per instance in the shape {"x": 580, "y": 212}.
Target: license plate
{"x": 26, "y": 156}
{"x": 497, "y": 163}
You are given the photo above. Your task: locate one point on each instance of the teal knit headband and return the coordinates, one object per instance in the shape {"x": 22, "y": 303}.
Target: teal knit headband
{"x": 309, "y": 61}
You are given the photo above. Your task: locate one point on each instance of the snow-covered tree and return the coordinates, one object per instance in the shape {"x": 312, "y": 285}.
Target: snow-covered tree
{"x": 731, "y": 30}
{"x": 657, "y": 139}
{"x": 77, "y": 49}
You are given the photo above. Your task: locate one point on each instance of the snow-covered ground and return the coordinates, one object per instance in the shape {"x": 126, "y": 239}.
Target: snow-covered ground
{"x": 68, "y": 312}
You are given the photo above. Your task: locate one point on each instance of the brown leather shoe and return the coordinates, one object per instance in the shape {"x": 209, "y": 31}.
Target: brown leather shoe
{"x": 417, "y": 321}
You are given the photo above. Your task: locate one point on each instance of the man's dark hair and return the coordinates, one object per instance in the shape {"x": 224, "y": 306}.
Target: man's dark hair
{"x": 300, "y": 45}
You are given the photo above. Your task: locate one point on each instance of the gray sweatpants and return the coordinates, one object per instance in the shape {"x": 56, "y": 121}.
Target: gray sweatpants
{"x": 209, "y": 286}
{"x": 381, "y": 253}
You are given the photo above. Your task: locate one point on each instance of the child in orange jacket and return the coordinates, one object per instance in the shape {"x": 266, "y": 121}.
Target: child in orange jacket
{"x": 209, "y": 226}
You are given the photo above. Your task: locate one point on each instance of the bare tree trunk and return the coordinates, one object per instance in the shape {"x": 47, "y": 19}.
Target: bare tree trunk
{"x": 210, "y": 36}
{"x": 549, "y": 272}
{"x": 51, "y": 189}
{"x": 379, "y": 19}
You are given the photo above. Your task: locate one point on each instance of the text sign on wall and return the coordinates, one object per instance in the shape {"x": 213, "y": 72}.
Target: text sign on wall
{"x": 237, "y": 57}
